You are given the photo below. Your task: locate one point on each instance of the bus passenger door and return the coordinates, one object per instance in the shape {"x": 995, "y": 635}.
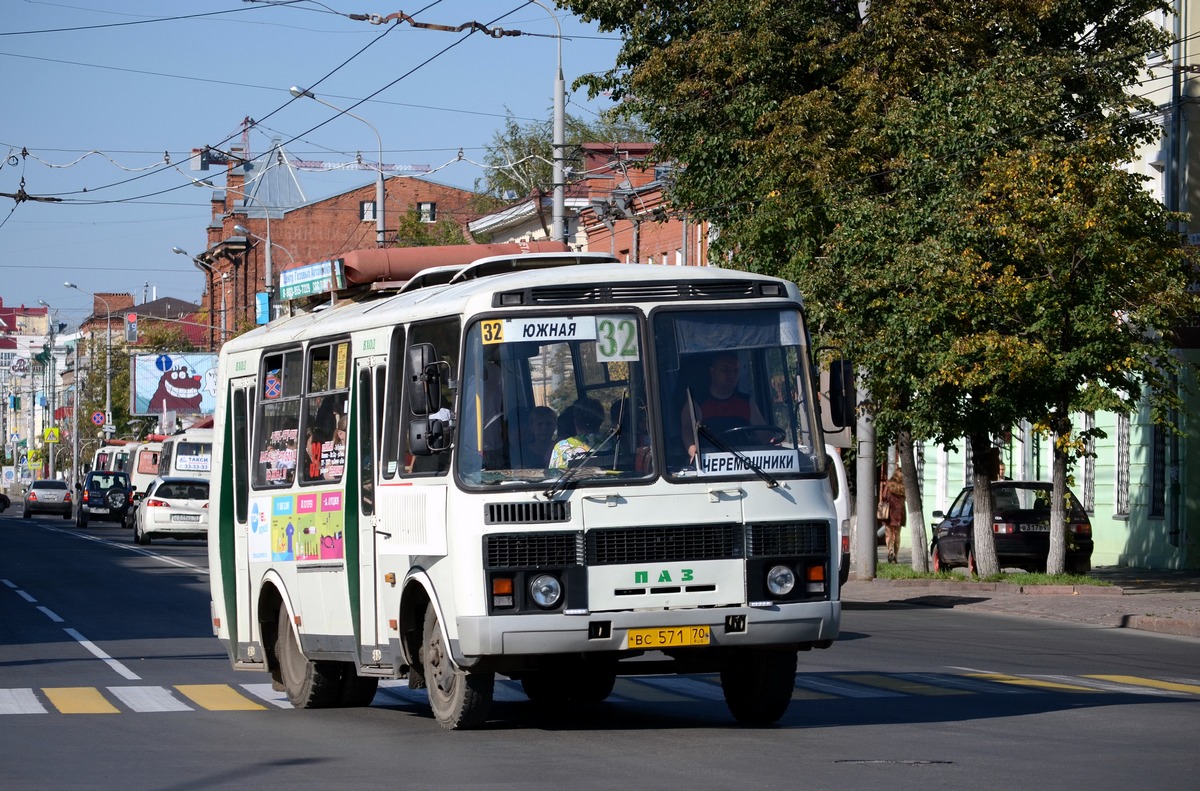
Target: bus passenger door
{"x": 371, "y": 384}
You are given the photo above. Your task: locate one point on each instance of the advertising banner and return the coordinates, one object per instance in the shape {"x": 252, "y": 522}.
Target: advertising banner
{"x": 181, "y": 382}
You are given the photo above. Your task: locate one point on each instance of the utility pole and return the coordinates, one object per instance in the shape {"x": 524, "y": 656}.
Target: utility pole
{"x": 864, "y": 476}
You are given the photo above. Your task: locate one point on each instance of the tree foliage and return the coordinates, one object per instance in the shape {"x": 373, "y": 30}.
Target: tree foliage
{"x": 520, "y": 158}
{"x": 943, "y": 180}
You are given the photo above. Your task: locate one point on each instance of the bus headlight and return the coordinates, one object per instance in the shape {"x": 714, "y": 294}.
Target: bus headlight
{"x": 546, "y": 591}
{"x": 781, "y": 580}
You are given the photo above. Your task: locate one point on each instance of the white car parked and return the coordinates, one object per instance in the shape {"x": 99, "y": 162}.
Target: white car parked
{"x": 172, "y": 506}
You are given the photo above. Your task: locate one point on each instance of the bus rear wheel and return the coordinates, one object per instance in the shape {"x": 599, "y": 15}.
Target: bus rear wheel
{"x": 308, "y": 684}
{"x": 460, "y": 699}
{"x": 758, "y": 684}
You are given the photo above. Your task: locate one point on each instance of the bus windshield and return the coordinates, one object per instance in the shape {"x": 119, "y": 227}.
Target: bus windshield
{"x": 551, "y": 394}
{"x": 735, "y": 390}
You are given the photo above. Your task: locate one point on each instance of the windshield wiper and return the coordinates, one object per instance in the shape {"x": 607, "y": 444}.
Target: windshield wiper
{"x": 708, "y": 434}
{"x": 568, "y": 474}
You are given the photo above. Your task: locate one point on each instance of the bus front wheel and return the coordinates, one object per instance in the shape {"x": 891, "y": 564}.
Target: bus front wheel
{"x": 308, "y": 684}
{"x": 460, "y": 699}
{"x": 758, "y": 684}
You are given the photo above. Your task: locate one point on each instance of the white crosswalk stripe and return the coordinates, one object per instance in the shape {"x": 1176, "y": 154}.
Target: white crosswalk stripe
{"x": 20, "y": 701}
{"x": 144, "y": 699}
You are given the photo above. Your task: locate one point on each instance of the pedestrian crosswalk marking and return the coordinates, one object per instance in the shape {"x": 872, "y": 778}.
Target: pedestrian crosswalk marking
{"x": 20, "y": 701}
{"x": 1030, "y": 681}
{"x": 143, "y": 699}
{"x": 146, "y": 699}
{"x": 218, "y": 697}
{"x": 900, "y": 684}
{"x": 80, "y": 700}
{"x": 1171, "y": 686}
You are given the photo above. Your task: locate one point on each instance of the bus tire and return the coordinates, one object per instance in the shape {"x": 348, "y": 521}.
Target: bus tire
{"x": 356, "y": 691}
{"x": 307, "y": 684}
{"x": 460, "y": 699}
{"x": 758, "y": 684}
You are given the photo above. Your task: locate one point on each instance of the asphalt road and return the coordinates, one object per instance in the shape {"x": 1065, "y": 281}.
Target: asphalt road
{"x": 109, "y": 677}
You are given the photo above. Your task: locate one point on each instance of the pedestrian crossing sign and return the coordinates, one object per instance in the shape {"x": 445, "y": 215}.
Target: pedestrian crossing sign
{"x": 52, "y": 434}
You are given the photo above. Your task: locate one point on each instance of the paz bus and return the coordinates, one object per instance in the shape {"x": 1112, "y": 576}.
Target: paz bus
{"x": 188, "y": 453}
{"x": 383, "y": 507}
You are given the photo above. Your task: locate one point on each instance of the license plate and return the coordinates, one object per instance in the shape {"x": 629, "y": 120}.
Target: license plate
{"x": 1035, "y": 528}
{"x": 99, "y": 510}
{"x": 668, "y": 637}
{"x": 185, "y": 517}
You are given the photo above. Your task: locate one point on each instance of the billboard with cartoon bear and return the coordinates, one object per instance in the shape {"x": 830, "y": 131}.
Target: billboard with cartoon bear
{"x": 181, "y": 382}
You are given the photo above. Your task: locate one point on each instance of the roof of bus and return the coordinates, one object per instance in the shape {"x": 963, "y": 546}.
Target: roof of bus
{"x": 475, "y": 295}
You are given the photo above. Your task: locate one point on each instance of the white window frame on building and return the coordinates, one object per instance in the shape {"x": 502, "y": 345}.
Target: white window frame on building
{"x": 427, "y": 210}
{"x": 366, "y": 210}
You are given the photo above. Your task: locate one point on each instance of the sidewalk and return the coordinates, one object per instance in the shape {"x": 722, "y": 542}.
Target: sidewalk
{"x": 1166, "y": 601}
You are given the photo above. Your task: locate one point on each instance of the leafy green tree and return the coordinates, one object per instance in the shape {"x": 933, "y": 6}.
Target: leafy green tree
{"x": 412, "y": 231}
{"x": 944, "y": 182}
{"x": 520, "y": 158}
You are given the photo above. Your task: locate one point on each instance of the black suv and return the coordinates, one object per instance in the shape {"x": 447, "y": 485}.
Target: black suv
{"x": 105, "y": 495}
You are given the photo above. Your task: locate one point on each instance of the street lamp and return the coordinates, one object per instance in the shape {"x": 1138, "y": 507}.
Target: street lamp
{"x": 207, "y": 269}
{"x": 559, "y": 143}
{"x": 379, "y": 221}
{"x": 108, "y": 426}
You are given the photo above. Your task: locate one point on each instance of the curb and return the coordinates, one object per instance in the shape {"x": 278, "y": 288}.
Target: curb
{"x": 1151, "y": 623}
{"x": 999, "y": 587}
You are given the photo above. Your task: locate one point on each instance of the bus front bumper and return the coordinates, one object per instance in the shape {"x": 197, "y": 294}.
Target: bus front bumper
{"x": 801, "y": 625}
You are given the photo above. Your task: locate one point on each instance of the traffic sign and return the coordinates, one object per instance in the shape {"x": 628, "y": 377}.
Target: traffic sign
{"x": 51, "y": 434}
{"x": 98, "y": 418}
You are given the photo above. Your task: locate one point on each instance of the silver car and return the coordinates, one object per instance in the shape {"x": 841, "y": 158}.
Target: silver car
{"x": 172, "y": 506}
{"x": 48, "y": 497}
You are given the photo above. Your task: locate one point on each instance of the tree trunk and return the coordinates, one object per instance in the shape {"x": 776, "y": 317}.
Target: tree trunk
{"x": 982, "y": 473}
{"x": 913, "y": 504}
{"x": 1056, "y": 560}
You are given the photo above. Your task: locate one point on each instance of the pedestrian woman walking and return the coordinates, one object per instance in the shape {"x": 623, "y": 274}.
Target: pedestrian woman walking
{"x": 896, "y": 515}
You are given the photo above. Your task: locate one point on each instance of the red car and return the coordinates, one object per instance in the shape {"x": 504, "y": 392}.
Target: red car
{"x": 1021, "y": 526}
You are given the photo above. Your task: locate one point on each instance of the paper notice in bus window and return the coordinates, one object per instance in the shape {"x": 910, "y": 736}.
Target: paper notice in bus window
{"x": 769, "y": 461}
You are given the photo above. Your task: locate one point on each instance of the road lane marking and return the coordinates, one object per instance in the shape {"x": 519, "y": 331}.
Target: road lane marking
{"x": 20, "y": 701}
{"x": 841, "y": 689}
{"x": 1020, "y": 681}
{"x": 103, "y": 657}
{"x": 218, "y": 697}
{"x": 966, "y": 684}
{"x": 268, "y": 693}
{"x": 24, "y": 595}
{"x": 50, "y": 614}
{"x": 147, "y": 699}
{"x": 1171, "y": 686}
{"x": 9, "y": 584}
{"x": 79, "y": 700}
{"x": 130, "y": 548}
{"x": 906, "y": 686}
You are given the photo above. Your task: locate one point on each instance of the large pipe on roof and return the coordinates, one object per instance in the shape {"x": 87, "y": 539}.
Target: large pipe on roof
{"x": 389, "y": 264}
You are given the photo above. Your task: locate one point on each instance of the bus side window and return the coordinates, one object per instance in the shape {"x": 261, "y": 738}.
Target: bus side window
{"x": 444, "y": 335}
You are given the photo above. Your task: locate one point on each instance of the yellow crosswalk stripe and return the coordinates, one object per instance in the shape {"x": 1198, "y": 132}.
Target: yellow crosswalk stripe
{"x": 79, "y": 700}
{"x": 902, "y": 685}
{"x": 1000, "y": 678}
{"x": 1151, "y": 682}
{"x": 218, "y": 697}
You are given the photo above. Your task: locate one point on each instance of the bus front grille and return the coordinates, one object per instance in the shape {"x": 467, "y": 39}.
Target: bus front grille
{"x": 526, "y": 513}
{"x": 663, "y": 544}
{"x": 531, "y": 550}
{"x": 800, "y": 538}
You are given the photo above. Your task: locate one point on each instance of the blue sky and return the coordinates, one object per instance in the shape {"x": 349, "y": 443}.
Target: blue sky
{"x": 136, "y": 79}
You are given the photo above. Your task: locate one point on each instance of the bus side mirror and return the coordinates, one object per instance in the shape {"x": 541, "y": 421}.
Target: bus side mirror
{"x": 424, "y": 379}
{"x": 427, "y": 436}
{"x": 838, "y": 401}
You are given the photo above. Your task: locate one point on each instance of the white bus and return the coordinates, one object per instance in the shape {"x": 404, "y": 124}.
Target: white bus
{"x": 383, "y": 507}
{"x": 188, "y": 453}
